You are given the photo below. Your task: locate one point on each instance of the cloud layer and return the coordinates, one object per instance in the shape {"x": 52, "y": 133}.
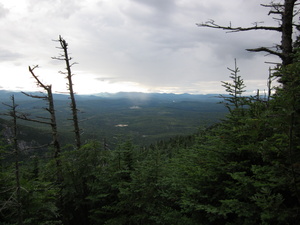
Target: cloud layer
{"x": 137, "y": 45}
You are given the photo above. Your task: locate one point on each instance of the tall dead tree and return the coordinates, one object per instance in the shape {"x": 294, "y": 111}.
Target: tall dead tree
{"x": 48, "y": 121}
{"x": 13, "y": 114}
{"x": 65, "y": 57}
{"x": 286, "y": 26}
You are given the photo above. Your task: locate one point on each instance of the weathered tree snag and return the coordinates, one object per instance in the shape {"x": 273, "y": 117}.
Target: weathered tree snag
{"x": 287, "y": 31}
{"x": 67, "y": 59}
{"x": 16, "y": 150}
{"x": 49, "y": 121}
{"x": 13, "y": 114}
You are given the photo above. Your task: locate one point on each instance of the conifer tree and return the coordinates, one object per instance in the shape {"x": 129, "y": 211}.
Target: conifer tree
{"x": 234, "y": 89}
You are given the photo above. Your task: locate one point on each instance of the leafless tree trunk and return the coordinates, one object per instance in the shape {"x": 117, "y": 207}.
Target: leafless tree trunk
{"x": 286, "y": 26}
{"x": 269, "y": 85}
{"x": 13, "y": 114}
{"x": 49, "y": 121}
{"x": 65, "y": 57}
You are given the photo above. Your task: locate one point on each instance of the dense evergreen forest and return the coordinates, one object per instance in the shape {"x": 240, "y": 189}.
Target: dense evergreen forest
{"x": 242, "y": 170}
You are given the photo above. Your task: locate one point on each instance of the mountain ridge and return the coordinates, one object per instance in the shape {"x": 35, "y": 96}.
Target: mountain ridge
{"x": 5, "y": 95}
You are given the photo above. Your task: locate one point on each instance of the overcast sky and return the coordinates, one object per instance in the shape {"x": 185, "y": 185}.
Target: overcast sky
{"x": 133, "y": 45}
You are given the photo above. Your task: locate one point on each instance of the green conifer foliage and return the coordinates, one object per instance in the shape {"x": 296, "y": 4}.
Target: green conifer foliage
{"x": 234, "y": 89}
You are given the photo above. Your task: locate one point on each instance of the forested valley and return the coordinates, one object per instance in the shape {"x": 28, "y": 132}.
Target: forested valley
{"x": 242, "y": 169}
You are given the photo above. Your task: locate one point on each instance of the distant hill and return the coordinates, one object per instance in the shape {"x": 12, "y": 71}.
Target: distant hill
{"x": 142, "y": 117}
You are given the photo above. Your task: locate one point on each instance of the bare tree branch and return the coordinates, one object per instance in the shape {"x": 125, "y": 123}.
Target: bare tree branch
{"x": 264, "y": 49}
{"x": 24, "y": 117}
{"x": 34, "y": 96}
{"x": 212, "y": 24}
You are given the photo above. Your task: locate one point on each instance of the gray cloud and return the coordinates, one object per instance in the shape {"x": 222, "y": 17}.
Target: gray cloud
{"x": 155, "y": 44}
{"x": 3, "y": 11}
{"x": 54, "y": 8}
{"x": 6, "y": 55}
{"x": 108, "y": 79}
{"x": 166, "y": 5}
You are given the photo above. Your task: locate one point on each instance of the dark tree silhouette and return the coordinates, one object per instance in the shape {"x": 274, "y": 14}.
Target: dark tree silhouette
{"x": 48, "y": 121}
{"x": 65, "y": 57}
{"x": 13, "y": 114}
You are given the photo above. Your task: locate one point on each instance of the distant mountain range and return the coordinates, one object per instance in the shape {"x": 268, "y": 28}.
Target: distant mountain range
{"x": 5, "y": 95}
{"x": 142, "y": 117}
